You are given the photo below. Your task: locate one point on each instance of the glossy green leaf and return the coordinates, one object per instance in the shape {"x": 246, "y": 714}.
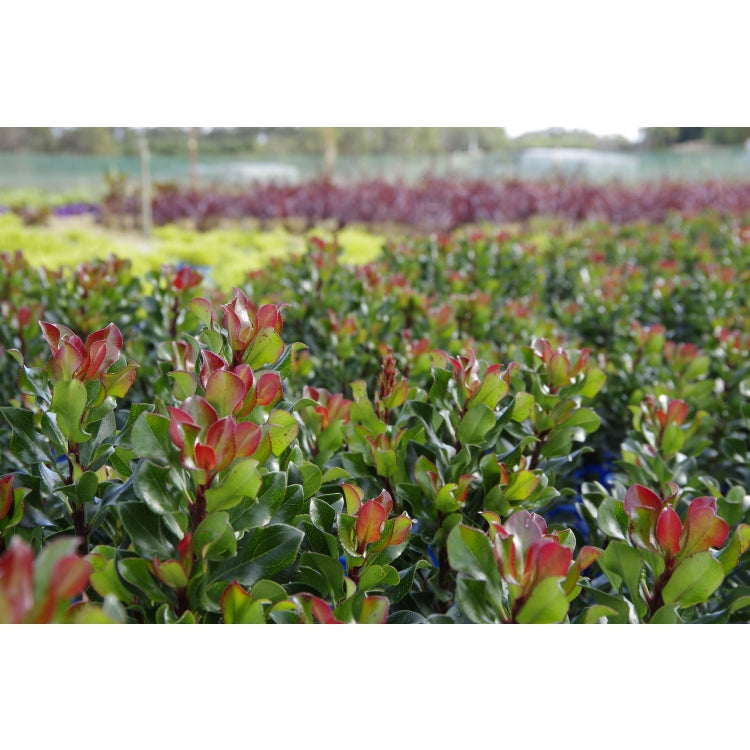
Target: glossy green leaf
{"x": 593, "y": 382}
{"x": 523, "y": 403}
{"x": 283, "y": 429}
{"x": 268, "y": 499}
{"x": 171, "y": 573}
{"x": 69, "y": 404}
{"x": 374, "y": 611}
{"x": 268, "y": 550}
{"x": 476, "y": 602}
{"x": 145, "y": 530}
{"x": 596, "y": 612}
{"x": 104, "y": 578}
{"x": 185, "y": 384}
{"x": 242, "y": 480}
{"x": 238, "y": 607}
{"x": 152, "y": 485}
{"x": 694, "y": 580}
{"x": 475, "y": 424}
{"x": 329, "y": 574}
{"x": 150, "y": 437}
{"x": 312, "y": 478}
{"x": 612, "y": 519}
{"x": 135, "y": 571}
{"x": 470, "y": 552}
{"x": 547, "y": 604}
{"x": 672, "y": 440}
{"x": 622, "y": 563}
{"x": 87, "y": 487}
{"x": 521, "y": 485}
{"x": 377, "y": 576}
{"x": 266, "y": 348}
{"x": 737, "y": 545}
{"x": 585, "y": 418}
{"x": 214, "y": 538}
{"x": 666, "y": 615}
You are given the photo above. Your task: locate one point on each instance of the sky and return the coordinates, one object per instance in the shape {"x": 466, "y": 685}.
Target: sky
{"x": 525, "y": 66}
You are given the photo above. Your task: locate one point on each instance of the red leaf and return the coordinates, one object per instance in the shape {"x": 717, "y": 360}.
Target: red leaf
{"x": 205, "y": 458}
{"x": 370, "y": 521}
{"x": 220, "y": 438}
{"x": 401, "y": 528}
{"x": 93, "y": 364}
{"x": 177, "y": 418}
{"x": 638, "y": 496}
{"x": 547, "y": 558}
{"x": 16, "y": 581}
{"x": 186, "y": 278}
{"x": 268, "y": 391}
{"x": 53, "y": 334}
{"x": 703, "y": 528}
{"x": 6, "y": 495}
{"x": 269, "y": 317}
{"x": 111, "y": 338}
{"x": 203, "y": 414}
{"x": 339, "y": 407}
{"x": 588, "y": 556}
{"x": 225, "y": 391}
{"x": 211, "y": 363}
{"x": 69, "y": 577}
{"x": 385, "y": 499}
{"x": 677, "y": 412}
{"x": 68, "y": 359}
{"x": 247, "y": 436}
{"x": 245, "y": 374}
{"x": 668, "y": 530}
{"x": 322, "y": 612}
{"x": 234, "y": 327}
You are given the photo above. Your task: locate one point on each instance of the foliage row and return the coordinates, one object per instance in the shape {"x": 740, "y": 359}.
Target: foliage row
{"x": 433, "y": 204}
{"x": 473, "y": 428}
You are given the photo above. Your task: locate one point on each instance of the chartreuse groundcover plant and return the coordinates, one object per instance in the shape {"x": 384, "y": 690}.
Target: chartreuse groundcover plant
{"x": 454, "y": 433}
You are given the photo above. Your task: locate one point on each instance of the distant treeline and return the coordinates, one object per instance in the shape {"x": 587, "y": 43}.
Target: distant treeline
{"x": 334, "y": 141}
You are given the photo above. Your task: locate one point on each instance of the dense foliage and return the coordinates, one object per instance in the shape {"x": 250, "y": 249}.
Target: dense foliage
{"x": 433, "y": 204}
{"x": 472, "y": 428}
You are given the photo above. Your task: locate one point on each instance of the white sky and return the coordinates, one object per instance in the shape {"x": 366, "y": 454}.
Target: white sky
{"x": 527, "y": 66}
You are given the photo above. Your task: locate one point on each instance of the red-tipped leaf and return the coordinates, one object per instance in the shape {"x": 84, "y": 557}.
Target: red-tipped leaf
{"x": 268, "y": 391}
{"x": 70, "y": 577}
{"x": 247, "y": 436}
{"x": 6, "y": 495}
{"x": 677, "y": 412}
{"x": 370, "y": 520}
{"x": 668, "y": 530}
{"x": 220, "y": 437}
{"x": 638, "y": 496}
{"x": 703, "y": 528}
{"x": 353, "y": 496}
{"x": 225, "y": 391}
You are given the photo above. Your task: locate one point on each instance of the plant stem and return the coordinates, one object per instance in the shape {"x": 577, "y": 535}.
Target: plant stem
{"x": 198, "y": 508}
{"x": 536, "y": 455}
{"x": 81, "y": 529}
{"x": 78, "y": 514}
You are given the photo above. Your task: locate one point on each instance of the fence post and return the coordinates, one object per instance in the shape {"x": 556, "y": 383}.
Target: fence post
{"x": 146, "y": 208}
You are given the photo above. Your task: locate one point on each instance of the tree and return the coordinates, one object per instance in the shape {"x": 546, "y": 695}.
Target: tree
{"x": 89, "y": 141}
